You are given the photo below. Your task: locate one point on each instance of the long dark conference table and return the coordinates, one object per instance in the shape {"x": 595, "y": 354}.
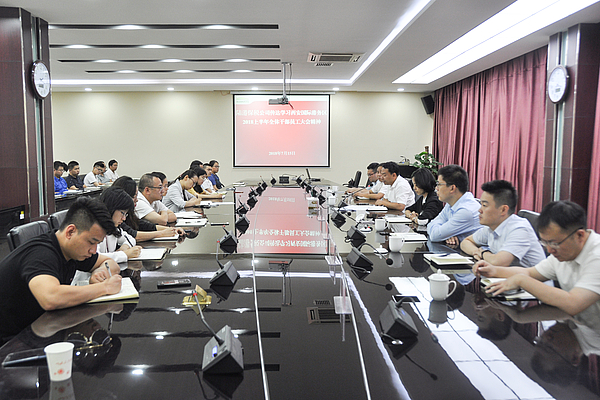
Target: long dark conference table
{"x": 309, "y": 326}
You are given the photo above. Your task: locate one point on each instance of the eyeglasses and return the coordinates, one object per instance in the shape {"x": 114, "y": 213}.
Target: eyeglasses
{"x": 125, "y": 214}
{"x": 556, "y": 245}
{"x": 160, "y": 187}
{"x": 99, "y": 338}
{"x": 438, "y": 184}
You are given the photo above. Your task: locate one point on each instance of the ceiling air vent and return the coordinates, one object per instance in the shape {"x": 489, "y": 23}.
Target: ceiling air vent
{"x": 333, "y": 58}
{"x": 323, "y": 64}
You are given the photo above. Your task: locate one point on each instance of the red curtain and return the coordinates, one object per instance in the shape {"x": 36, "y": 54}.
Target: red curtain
{"x": 594, "y": 197}
{"x": 493, "y": 125}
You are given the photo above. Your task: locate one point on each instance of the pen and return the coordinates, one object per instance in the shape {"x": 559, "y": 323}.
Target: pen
{"x": 107, "y": 268}
{"x": 126, "y": 238}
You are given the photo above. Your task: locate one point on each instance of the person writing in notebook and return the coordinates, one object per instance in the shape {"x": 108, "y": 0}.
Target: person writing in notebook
{"x": 574, "y": 262}
{"x": 36, "y": 276}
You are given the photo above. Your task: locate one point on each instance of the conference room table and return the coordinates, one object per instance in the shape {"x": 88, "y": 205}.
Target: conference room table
{"x": 307, "y": 321}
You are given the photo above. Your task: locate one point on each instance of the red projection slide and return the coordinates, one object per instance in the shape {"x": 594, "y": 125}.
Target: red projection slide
{"x": 279, "y": 135}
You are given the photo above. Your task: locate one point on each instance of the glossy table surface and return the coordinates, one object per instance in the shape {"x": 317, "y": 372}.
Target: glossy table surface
{"x": 295, "y": 344}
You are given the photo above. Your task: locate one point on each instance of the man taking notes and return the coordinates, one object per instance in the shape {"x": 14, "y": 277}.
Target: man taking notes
{"x": 36, "y": 276}
{"x": 460, "y": 216}
{"x": 505, "y": 237}
{"x": 574, "y": 262}
{"x": 400, "y": 194}
{"x": 149, "y": 205}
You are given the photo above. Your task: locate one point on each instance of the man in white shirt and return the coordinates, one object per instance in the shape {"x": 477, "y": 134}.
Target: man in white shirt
{"x": 400, "y": 194}
{"x": 505, "y": 238}
{"x": 111, "y": 172}
{"x": 91, "y": 179}
{"x": 574, "y": 261}
{"x": 377, "y": 191}
{"x": 149, "y": 205}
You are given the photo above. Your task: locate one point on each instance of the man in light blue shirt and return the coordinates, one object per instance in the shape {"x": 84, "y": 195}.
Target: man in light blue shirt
{"x": 506, "y": 239}
{"x": 460, "y": 216}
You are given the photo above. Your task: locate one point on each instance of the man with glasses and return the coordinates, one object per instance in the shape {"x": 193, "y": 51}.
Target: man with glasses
{"x": 505, "y": 237}
{"x": 91, "y": 179}
{"x": 377, "y": 190}
{"x": 574, "y": 262}
{"x": 214, "y": 178}
{"x": 460, "y": 216}
{"x": 149, "y": 205}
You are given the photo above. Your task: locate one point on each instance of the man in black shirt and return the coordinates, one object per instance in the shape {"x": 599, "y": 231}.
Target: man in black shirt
{"x": 74, "y": 181}
{"x": 36, "y": 276}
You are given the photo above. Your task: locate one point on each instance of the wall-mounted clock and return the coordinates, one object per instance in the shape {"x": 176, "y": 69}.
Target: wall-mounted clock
{"x": 40, "y": 77}
{"x": 558, "y": 82}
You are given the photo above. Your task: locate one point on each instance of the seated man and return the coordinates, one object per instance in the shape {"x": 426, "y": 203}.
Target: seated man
{"x": 207, "y": 185}
{"x": 574, "y": 261}
{"x": 214, "y": 178}
{"x": 505, "y": 238}
{"x": 91, "y": 179}
{"x": 37, "y": 275}
{"x": 460, "y": 216}
{"x": 372, "y": 179}
{"x": 377, "y": 191}
{"x": 400, "y": 194}
{"x": 60, "y": 185}
{"x": 111, "y": 173}
{"x": 74, "y": 181}
{"x": 149, "y": 205}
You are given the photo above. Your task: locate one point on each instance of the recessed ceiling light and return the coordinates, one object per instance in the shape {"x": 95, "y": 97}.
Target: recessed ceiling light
{"x": 336, "y": 88}
{"x": 254, "y": 88}
{"x": 401, "y": 89}
{"x": 126, "y": 71}
{"x": 87, "y": 89}
{"x": 78, "y": 46}
{"x": 515, "y": 22}
{"x": 153, "y": 46}
{"x": 105, "y": 61}
{"x": 170, "y": 89}
{"x": 171, "y": 60}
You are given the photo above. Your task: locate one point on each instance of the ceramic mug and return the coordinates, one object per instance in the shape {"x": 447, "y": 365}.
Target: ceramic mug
{"x": 439, "y": 286}
{"x": 396, "y": 242}
{"x": 380, "y": 224}
{"x": 438, "y": 312}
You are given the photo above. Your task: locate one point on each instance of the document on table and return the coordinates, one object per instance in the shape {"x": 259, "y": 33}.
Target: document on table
{"x": 128, "y": 291}
{"x": 449, "y": 259}
{"x": 150, "y": 254}
{"x": 397, "y": 219}
{"x": 188, "y": 214}
{"x": 411, "y": 236}
{"x": 365, "y": 207}
{"x": 191, "y": 223}
{"x": 519, "y": 294}
{"x": 175, "y": 237}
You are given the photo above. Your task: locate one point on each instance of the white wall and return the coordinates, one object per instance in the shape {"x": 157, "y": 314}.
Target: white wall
{"x": 165, "y": 131}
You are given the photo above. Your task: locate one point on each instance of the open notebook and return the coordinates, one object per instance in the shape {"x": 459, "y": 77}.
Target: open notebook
{"x": 519, "y": 294}
{"x": 128, "y": 290}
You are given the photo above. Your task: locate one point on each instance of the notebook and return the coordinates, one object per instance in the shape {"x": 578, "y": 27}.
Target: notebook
{"x": 510, "y": 295}
{"x": 150, "y": 254}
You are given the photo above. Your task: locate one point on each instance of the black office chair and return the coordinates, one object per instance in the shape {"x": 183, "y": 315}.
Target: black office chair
{"x": 56, "y": 219}
{"x": 356, "y": 181}
{"x": 406, "y": 171}
{"x": 532, "y": 217}
{"x": 20, "y": 234}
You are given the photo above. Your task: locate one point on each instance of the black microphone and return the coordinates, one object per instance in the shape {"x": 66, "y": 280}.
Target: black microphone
{"x": 433, "y": 376}
{"x": 273, "y": 180}
{"x": 213, "y": 333}
{"x": 388, "y": 260}
{"x": 387, "y": 286}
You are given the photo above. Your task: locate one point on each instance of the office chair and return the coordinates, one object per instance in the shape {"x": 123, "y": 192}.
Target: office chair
{"x": 532, "y": 217}
{"x": 20, "y": 234}
{"x": 56, "y": 219}
{"x": 355, "y": 182}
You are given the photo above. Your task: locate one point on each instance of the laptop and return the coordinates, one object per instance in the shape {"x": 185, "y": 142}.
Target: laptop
{"x": 312, "y": 179}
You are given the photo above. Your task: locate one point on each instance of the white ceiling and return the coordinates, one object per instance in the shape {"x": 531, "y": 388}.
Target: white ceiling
{"x": 301, "y": 26}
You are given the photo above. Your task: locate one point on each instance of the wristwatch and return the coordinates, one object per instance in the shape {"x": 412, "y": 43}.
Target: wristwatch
{"x": 483, "y": 252}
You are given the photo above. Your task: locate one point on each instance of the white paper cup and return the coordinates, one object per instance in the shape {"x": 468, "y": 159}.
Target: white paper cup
{"x": 60, "y": 360}
{"x": 62, "y": 390}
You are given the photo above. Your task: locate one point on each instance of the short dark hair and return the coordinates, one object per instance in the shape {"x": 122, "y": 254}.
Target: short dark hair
{"x": 99, "y": 164}
{"x": 455, "y": 175}
{"x": 146, "y": 180}
{"x": 111, "y": 162}
{"x": 199, "y": 171}
{"x": 566, "y": 214}
{"x": 195, "y": 163}
{"x": 72, "y": 164}
{"x": 127, "y": 184}
{"x": 159, "y": 175}
{"x": 424, "y": 180}
{"x": 85, "y": 212}
{"x": 503, "y": 192}
{"x": 392, "y": 167}
{"x": 58, "y": 164}
{"x": 115, "y": 198}
{"x": 190, "y": 173}
{"x": 212, "y": 163}
{"x": 373, "y": 166}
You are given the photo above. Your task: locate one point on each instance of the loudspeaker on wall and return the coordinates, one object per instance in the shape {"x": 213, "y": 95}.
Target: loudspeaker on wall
{"x": 428, "y": 104}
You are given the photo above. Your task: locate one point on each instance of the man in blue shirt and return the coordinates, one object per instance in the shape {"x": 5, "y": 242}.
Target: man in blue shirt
{"x": 506, "y": 239}
{"x": 60, "y": 185}
{"x": 214, "y": 178}
{"x": 460, "y": 216}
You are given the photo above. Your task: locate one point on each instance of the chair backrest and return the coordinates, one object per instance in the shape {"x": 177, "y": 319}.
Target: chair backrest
{"x": 356, "y": 181}
{"x": 20, "y": 234}
{"x": 56, "y": 219}
{"x": 532, "y": 217}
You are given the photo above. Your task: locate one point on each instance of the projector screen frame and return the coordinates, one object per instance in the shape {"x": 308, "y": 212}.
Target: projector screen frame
{"x": 292, "y": 98}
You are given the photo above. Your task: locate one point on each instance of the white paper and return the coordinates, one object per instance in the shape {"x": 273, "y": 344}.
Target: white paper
{"x": 151, "y": 254}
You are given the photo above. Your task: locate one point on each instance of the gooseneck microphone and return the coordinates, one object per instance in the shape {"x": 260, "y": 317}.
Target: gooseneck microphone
{"x": 388, "y": 260}
{"x": 213, "y": 333}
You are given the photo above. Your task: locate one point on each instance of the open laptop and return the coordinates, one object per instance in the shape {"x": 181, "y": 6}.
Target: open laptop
{"x": 311, "y": 179}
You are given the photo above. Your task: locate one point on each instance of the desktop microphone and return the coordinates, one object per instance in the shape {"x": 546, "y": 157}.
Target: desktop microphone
{"x": 433, "y": 376}
{"x": 273, "y": 180}
{"x": 222, "y": 354}
{"x": 387, "y": 286}
{"x": 388, "y": 260}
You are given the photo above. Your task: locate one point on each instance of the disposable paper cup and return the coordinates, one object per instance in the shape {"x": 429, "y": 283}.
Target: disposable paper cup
{"x": 62, "y": 390}
{"x": 60, "y": 360}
